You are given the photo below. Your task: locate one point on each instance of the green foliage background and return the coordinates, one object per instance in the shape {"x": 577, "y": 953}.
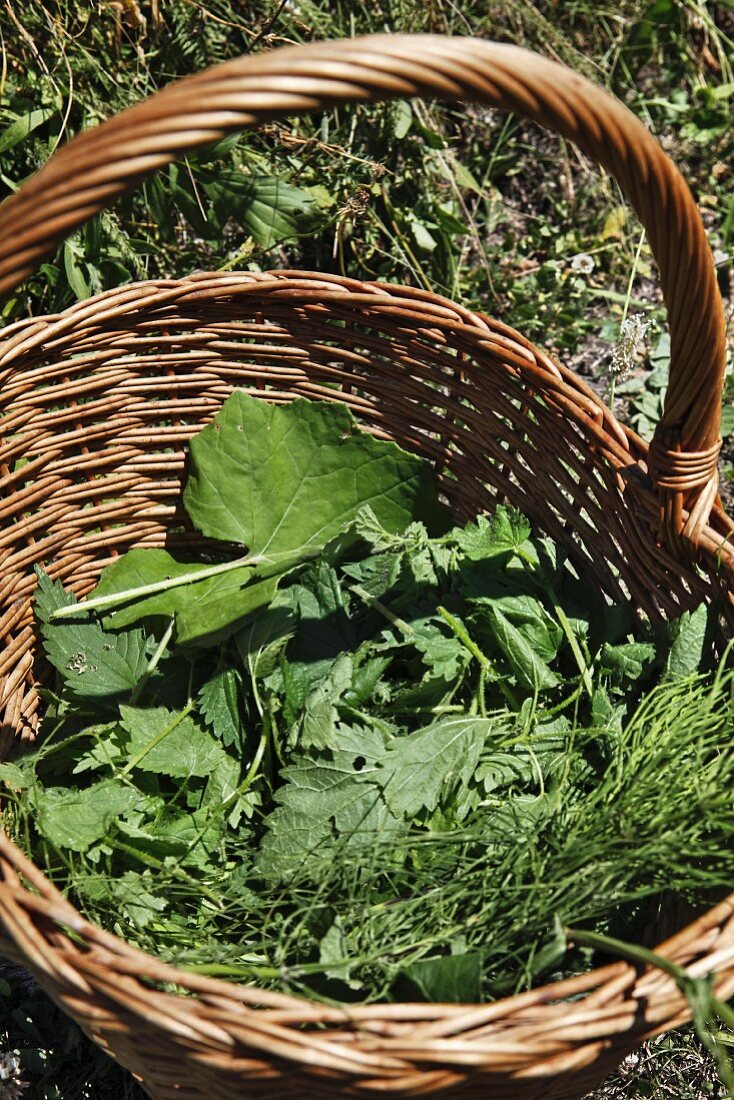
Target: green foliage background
{"x": 464, "y": 200}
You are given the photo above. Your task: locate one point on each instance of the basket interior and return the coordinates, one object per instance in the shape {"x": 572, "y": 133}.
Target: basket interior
{"x": 99, "y": 402}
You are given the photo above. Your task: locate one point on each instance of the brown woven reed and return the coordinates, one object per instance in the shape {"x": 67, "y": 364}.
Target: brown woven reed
{"x": 97, "y": 405}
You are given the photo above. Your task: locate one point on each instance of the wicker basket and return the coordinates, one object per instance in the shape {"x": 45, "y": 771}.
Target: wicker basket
{"x": 99, "y": 402}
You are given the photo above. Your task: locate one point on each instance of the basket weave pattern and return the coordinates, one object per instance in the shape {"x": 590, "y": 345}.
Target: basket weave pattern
{"x": 97, "y": 405}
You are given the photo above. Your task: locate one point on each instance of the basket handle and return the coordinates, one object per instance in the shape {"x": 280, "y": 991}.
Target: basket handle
{"x": 95, "y": 167}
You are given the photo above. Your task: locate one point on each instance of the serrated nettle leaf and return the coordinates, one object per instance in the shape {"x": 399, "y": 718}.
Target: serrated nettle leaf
{"x": 368, "y": 673}
{"x": 49, "y": 596}
{"x": 247, "y": 805}
{"x": 627, "y": 661}
{"x": 504, "y": 533}
{"x": 75, "y": 819}
{"x": 221, "y": 706}
{"x": 318, "y": 593}
{"x": 367, "y": 527}
{"x": 530, "y": 670}
{"x": 107, "y": 752}
{"x": 688, "y": 635}
{"x": 422, "y": 566}
{"x": 443, "y": 653}
{"x": 604, "y": 714}
{"x": 418, "y": 767}
{"x": 317, "y": 728}
{"x": 94, "y": 663}
{"x": 284, "y": 481}
{"x": 297, "y": 681}
{"x": 168, "y": 743}
{"x": 376, "y": 574}
{"x": 326, "y": 802}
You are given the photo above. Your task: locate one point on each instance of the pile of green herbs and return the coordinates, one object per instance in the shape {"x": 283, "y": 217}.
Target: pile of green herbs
{"x": 362, "y": 752}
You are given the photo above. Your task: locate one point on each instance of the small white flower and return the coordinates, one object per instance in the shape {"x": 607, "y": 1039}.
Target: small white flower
{"x": 583, "y": 263}
{"x": 632, "y": 332}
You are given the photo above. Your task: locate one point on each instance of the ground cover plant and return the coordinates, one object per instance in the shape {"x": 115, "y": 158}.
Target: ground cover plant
{"x": 433, "y": 195}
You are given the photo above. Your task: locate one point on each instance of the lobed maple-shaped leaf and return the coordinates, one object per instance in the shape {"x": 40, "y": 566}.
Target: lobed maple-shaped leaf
{"x": 286, "y": 480}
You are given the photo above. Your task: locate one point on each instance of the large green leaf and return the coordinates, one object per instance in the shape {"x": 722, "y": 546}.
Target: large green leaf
{"x": 285, "y": 481}
{"x": 272, "y": 210}
{"x": 204, "y": 609}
